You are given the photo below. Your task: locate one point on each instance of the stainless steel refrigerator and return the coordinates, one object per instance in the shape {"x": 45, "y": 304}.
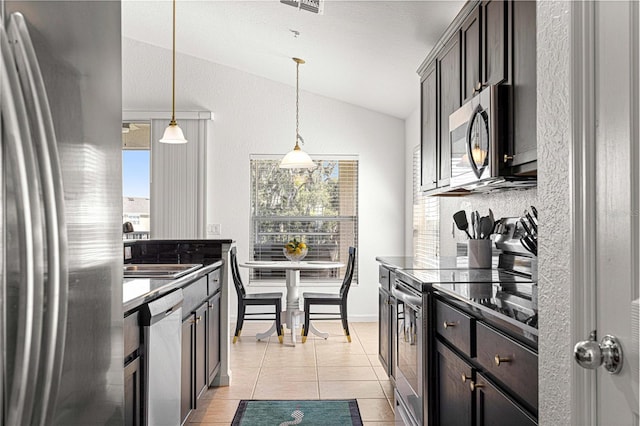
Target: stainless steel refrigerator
{"x": 61, "y": 291}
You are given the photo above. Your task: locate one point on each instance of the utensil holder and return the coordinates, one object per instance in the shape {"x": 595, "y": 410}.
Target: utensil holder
{"x": 479, "y": 252}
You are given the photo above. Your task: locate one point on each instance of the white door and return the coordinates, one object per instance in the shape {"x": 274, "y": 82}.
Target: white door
{"x": 612, "y": 209}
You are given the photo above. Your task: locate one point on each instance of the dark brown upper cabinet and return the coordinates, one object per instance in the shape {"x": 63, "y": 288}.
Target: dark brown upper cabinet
{"x": 484, "y": 36}
{"x": 490, "y": 42}
{"x": 471, "y": 54}
{"x": 449, "y": 100}
{"x": 495, "y": 33}
{"x": 523, "y": 153}
{"x": 429, "y": 130}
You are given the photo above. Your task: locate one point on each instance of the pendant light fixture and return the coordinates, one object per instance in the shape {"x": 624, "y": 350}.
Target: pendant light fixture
{"x": 173, "y": 133}
{"x": 297, "y": 159}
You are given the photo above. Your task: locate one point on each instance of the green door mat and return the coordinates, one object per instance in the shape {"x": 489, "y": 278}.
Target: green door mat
{"x": 341, "y": 412}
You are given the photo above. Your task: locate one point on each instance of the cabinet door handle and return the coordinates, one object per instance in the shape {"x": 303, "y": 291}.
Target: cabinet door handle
{"x": 197, "y": 320}
{"x": 210, "y": 305}
{"x": 479, "y": 86}
{"x": 499, "y": 360}
{"x": 508, "y": 158}
{"x": 473, "y": 385}
{"x": 448, "y": 324}
{"x": 465, "y": 378}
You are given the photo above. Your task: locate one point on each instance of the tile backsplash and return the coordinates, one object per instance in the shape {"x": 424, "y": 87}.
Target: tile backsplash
{"x": 508, "y": 203}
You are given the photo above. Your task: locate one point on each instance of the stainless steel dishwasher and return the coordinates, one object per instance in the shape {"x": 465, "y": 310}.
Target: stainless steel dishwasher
{"x": 162, "y": 321}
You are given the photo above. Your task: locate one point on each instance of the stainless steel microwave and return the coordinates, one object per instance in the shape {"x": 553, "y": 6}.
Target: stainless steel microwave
{"x": 477, "y": 131}
{"x": 479, "y": 136}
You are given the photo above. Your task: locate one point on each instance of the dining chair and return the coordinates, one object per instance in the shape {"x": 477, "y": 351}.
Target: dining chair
{"x": 330, "y": 299}
{"x": 253, "y": 299}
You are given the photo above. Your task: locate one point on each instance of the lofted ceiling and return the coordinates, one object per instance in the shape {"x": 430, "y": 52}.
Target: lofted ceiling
{"x": 362, "y": 52}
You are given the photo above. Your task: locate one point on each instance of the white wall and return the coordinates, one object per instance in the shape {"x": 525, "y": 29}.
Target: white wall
{"x": 412, "y": 139}
{"x": 254, "y": 115}
{"x": 554, "y": 186}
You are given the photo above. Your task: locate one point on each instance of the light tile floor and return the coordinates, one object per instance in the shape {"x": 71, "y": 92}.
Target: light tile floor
{"x": 318, "y": 369}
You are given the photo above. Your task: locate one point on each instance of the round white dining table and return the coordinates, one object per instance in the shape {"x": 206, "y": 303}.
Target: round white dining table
{"x": 292, "y": 270}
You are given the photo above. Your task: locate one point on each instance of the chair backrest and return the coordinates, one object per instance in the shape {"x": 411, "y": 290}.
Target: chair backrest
{"x": 235, "y": 272}
{"x": 348, "y": 275}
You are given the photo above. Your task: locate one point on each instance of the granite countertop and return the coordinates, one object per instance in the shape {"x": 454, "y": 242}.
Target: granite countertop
{"x": 137, "y": 291}
{"x": 407, "y": 264}
{"x": 492, "y": 292}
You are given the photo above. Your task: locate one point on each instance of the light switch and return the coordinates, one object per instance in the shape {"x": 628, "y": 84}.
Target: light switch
{"x": 213, "y": 229}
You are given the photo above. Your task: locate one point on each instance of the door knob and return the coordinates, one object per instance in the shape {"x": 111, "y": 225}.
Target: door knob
{"x": 590, "y": 354}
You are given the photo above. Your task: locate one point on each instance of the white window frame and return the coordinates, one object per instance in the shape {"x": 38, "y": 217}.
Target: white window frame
{"x": 347, "y": 219}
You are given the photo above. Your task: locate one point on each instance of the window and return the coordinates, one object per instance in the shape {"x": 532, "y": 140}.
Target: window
{"x": 319, "y": 206}
{"x": 136, "y": 158}
{"x": 426, "y": 217}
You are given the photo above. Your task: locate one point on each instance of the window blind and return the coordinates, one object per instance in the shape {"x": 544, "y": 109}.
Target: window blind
{"x": 318, "y": 206}
{"x": 426, "y": 217}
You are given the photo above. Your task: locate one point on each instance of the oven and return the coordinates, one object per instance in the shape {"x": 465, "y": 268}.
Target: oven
{"x": 410, "y": 348}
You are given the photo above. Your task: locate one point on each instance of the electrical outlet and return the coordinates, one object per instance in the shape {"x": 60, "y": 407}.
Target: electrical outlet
{"x": 213, "y": 229}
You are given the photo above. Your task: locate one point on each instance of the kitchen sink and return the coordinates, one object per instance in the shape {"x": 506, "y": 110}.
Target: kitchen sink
{"x": 159, "y": 270}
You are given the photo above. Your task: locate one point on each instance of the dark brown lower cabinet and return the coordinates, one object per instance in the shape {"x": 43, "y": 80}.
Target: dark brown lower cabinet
{"x": 186, "y": 383}
{"x": 132, "y": 393}
{"x": 200, "y": 352}
{"x": 200, "y": 342}
{"x": 454, "y": 395}
{"x": 494, "y": 408}
{"x": 384, "y": 329}
{"x": 482, "y": 377}
{"x": 213, "y": 335}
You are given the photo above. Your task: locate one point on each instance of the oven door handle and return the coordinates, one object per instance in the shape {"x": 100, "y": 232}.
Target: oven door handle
{"x": 414, "y": 301}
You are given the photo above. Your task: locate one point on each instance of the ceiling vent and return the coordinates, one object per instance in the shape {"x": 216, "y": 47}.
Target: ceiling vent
{"x": 315, "y": 6}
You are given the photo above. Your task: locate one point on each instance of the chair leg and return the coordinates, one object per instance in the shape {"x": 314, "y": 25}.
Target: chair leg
{"x": 239, "y": 322}
{"x": 345, "y": 323}
{"x": 279, "y": 328}
{"x": 305, "y": 327}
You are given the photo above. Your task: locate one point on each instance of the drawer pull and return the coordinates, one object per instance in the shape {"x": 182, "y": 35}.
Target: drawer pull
{"x": 474, "y": 385}
{"x": 499, "y": 360}
{"x": 465, "y": 378}
{"x": 448, "y": 324}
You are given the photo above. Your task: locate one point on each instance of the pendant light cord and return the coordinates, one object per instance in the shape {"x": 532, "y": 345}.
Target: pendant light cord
{"x": 173, "y": 76}
{"x": 297, "y": 101}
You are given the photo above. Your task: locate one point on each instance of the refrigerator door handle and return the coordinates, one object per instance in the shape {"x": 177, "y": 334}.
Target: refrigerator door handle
{"x": 46, "y": 147}
{"x": 30, "y": 281}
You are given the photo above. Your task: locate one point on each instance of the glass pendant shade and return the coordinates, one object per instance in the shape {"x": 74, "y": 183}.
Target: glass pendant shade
{"x": 297, "y": 159}
{"x": 173, "y": 134}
